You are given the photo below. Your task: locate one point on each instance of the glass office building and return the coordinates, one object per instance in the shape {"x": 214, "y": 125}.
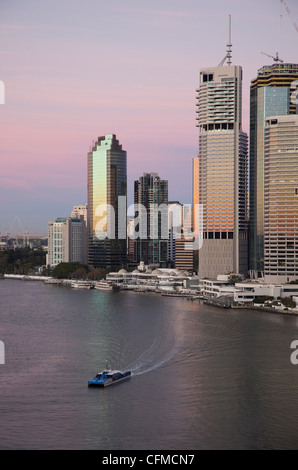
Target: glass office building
{"x": 271, "y": 94}
{"x": 151, "y": 220}
{"x": 107, "y": 192}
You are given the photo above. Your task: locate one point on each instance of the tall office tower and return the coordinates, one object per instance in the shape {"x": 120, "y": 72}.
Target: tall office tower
{"x": 271, "y": 94}
{"x": 181, "y": 240}
{"x": 281, "y": 199}
{"x": 82, "y": 209}
{"x": 175, "y": 221}
{"x": 107, "y": 192}
{"x": 66, "y": 241}
{"x": 151, "y": 220}
{"x": 130, "y": 240}
{"x": 220, "y": 171}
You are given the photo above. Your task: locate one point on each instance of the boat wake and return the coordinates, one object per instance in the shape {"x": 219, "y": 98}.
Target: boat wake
{"x": 154, "y": 358}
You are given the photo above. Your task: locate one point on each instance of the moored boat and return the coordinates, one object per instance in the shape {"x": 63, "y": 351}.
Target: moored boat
{"x": 82, "y": 285}
{"x": 106, "y": 285}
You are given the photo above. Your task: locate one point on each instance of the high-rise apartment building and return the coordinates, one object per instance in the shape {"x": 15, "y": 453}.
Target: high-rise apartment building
{"x": 281, "y": 199}
{"x": 151, "y": 220}
{"x": 271, "y": 94}
{"x": 220, "y": 172}
{"x": 66, "y": 241}
{"x": 82, "y": 209}
{"x": 107, "y": 192}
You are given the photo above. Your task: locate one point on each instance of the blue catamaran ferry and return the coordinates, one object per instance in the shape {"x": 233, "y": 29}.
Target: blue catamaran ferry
{"x": 108, "y": 377}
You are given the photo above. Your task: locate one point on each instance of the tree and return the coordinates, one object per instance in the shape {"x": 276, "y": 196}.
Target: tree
{"x": 80, "y": 272}
{"x": 21, "y": 261}
{"x": 234, "y": 278}
{"x": 65, "y": 270}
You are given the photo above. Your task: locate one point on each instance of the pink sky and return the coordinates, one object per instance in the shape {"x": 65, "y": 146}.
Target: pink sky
{"x": 75, "y": 70}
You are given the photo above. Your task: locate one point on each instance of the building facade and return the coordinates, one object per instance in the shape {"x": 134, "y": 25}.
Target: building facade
{"x": 281, "y": 199}
{"x": 82, "y": 209}
{"x": 220, "y": 172}
{"x": 181, "y": 240}
{"x": 66, "y": 241}
{"x": 130, "y": 240}
{"x": 107, "y": 192}
{"x": 271, "y": 94}
{"x": 151, "y": 220}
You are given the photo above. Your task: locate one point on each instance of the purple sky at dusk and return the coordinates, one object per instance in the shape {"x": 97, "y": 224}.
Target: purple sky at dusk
{"x": 77, "y": 69}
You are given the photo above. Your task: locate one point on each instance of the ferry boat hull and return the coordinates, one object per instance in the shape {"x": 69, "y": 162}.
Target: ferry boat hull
{"x": 106, "y": 286}
{"x": 81, "y": 285}
{"x": 108, "y": 377}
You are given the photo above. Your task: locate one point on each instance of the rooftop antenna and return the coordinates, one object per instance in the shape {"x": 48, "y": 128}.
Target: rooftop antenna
{"x": 229, "y": 45}
{"x": 228, "y": 55}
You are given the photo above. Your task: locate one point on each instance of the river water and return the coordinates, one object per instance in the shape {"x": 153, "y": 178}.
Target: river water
{"x": 202, "y": 377}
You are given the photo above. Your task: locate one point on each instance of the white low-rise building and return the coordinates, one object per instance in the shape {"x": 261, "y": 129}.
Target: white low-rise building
{"x": 158, "y": 279}
{"x": 245, "y": 292}
{"x": 269, "y": 290}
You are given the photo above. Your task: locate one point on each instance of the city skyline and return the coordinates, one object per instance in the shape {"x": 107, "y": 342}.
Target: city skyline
{"x": 70, "y": 77}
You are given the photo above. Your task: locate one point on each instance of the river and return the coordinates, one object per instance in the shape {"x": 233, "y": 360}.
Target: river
{"x": 202, "y": 377}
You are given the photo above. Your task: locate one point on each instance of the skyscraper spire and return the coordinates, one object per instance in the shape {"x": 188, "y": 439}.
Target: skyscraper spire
{"x": 228, "y": 55}
{"x": 229, "y": 45}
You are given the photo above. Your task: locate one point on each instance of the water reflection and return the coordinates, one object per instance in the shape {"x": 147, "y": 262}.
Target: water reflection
{"x": 202, "y": 377}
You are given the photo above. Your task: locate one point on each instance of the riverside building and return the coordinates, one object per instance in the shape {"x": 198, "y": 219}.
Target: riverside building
{"x": 220, "y": 171}
{"x": 107, "y": 192}
{"x": 181, "y": 239}
{"x": 66, "y": 241}
{"x": 272, "y": 93}
{"x": 151, "y": 220}
{"x": 281, "y": 199}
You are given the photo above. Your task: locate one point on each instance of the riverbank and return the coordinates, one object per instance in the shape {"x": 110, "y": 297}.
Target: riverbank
{"x": 212, "y": 301}
{"x": 24, "y": 277}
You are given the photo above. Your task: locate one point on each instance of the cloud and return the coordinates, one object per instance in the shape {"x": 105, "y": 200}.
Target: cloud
{"x": 14, "y": 26}
{"x": 176, "y": 14}
{"x": 7, "y": 182}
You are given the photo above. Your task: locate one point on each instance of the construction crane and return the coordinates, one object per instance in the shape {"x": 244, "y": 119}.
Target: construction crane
{"x": 290, "y": 14}
{"x": 276, "y": 58}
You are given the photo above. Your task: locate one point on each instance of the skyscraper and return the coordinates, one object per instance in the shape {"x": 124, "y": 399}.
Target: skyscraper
{"x": 151, "y": 219}
{"x": 220, "y": 171}
{"x": 82, "y": 209}
{"x": 181, "y": 241}
{"x": 281, "y": 199}
{"x": 67, "y": 241}
{"x": 271, "y": 94}
{"x": 107, "y": 192}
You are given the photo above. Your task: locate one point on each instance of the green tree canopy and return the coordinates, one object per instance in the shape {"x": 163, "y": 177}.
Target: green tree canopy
{"x": 65, "y": 270}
